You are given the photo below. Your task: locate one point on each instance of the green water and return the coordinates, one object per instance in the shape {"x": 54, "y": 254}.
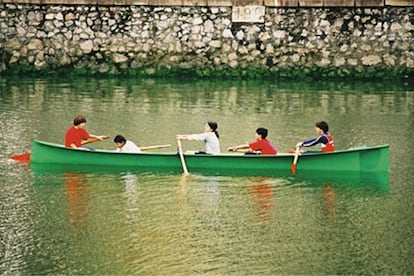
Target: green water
{"x": 148, "y": 224}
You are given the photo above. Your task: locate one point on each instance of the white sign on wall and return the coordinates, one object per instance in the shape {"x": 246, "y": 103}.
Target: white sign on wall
{"x": 248, "y": 14}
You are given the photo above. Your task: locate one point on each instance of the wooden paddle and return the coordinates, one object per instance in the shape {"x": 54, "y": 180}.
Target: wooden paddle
{"x": 155, "y": 147}
{"x": 180, "y": 152}
{"x": 295, "y": 160}
{"x": 92, "y": 140}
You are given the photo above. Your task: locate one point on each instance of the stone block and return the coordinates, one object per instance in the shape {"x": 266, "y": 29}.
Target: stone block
{"x": 58, "y": 2}
{"x": 105, "y": 2}
{"x": 247, "y": 2}
{"x": 311, "y": 3}
{"x": 123, "y": 2}
{"x": 399, "y": 3}
{"x": 339, "y": 3}
{"x": 70, "y": 2}
{"x": 369, "y": 3}
{"x": 281, "y": 3}
{"x": 21, "y": 1}
{"x": 138, "y": 2}
{"x": 219, "y": 3}
{"x": 248, "y": 14}
{"x": 194, "y": 2}
{"x": 165, "y": 3}
{"x": 120, "y": 2}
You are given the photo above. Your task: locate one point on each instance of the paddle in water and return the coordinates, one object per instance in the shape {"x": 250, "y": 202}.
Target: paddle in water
{"x": 295, "y": 161}
{"x": 181, "y": 154}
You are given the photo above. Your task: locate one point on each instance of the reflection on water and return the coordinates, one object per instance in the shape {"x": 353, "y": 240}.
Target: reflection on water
{"x": 192, "y": 224}
{"x": 131, "y": 188}
{"x": 76, "y": 195}
{"x": 262, "y": 198}
{"x": 328, "y": 194}
{"x": 55, "y": 221}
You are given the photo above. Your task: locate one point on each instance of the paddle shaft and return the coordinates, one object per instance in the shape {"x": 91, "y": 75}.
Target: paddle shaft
{"x": 92, "y": 140}
{"x": 155, "y": 147}
{"x": 180, "y": 152}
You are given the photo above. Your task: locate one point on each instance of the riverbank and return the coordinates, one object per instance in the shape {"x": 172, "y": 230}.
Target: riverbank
{"x": 205, "y": 42}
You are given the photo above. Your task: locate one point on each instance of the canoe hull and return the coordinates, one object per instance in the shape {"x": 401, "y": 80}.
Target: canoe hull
{"x": 357, "y": 161}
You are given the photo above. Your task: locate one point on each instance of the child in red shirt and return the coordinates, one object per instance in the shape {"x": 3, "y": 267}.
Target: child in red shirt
{"x": 77, "y": 134}
{"x": 262, "y": 145}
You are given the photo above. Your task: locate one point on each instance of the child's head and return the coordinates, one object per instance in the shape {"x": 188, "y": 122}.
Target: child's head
{"x": 212, "y": 126}
{"x": 262, "y": 132}
{"x": 79, "y": 120}
{"x": 323, "y": 126}
{"x": 119, "y": 141}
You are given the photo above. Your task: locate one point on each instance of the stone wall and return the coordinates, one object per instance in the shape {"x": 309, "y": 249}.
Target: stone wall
{"x": 204, "y": 42}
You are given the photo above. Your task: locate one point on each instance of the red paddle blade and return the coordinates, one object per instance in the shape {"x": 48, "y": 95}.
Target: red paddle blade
{"x": 24, "y": 158}
{"x": 293, "y": 169}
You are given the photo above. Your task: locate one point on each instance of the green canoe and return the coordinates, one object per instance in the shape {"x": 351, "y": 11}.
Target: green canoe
{"x": 351, "y": 162}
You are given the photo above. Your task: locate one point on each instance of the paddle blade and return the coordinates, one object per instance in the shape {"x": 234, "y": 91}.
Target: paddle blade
{"x": 295, "y": 160}
{"x": 24, "y": 158}
{"x": 293, "y": 169}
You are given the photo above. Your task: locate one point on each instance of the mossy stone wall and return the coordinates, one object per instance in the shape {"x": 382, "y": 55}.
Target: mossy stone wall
{"x": 344, "y": 42}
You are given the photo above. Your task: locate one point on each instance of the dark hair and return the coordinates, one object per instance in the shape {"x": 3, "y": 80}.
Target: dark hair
{"x": 79, "y": 120}
{"x": 262, "y": 132}
{"x": 119, "y": 139}
{"x": 323, "y": 125}
{"x": 213, "y": 126}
